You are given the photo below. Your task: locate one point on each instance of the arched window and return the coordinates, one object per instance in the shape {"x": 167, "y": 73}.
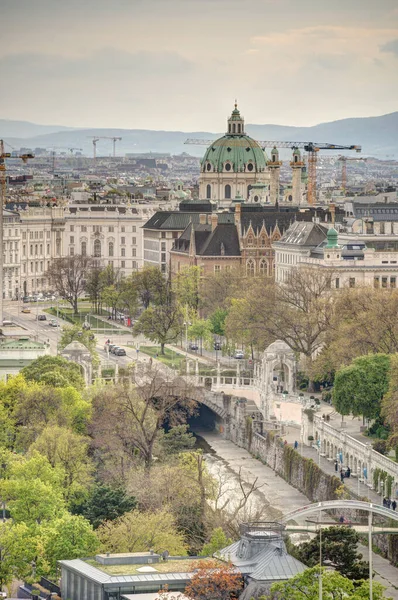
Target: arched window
{"x": 228, "y": 191}
{"x": 255, "y": 198}
{"x": 233, "y": 128}
{"x": 263, "y": 242}
{"x": 110, "y": 249}
{"x": 250, "y": 268}
{"x": 238, "y": 127}
{"x": 290, "y": 198}
{"x": 208, "y": 191}
{"x": 84, "y": 249}
{"x": 263, "y": 267}
{"x": 250, "y": 240}
{"x": 97, "y": 249}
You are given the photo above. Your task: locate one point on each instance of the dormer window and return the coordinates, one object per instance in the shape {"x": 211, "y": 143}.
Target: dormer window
{"x": 228, "y": 166}
{"x": 250, "y": 167}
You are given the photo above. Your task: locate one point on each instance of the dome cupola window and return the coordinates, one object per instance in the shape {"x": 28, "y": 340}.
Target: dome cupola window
{"x": 250, "y": 167}
{"x": 208, "y": 166}
{"x": 228, "y": 166}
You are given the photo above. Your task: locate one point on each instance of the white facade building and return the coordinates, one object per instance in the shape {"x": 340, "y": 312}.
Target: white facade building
{"x": 36, "y": 235}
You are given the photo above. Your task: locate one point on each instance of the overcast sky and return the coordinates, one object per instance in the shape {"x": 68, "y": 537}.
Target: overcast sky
{"x": 179, "y": 64}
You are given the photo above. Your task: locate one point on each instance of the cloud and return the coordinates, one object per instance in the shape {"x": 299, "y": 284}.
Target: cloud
{"x": 391, "y": 46}
{"x": 104, "y": 63}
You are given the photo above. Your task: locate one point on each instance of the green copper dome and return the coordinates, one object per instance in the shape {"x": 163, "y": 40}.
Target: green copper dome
{"x": 332, "y": 237}
{"x": 234, "y": 153}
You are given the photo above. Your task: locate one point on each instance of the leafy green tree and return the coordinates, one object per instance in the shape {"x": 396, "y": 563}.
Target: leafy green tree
{"x": 161, "y": 324}
{"x": 55, "y": 371}
{"x": 218, "y": 541}
{"x": 359, "y": 388}
{"x": 201, "y": 329}
{"x": 137, "y": 531}
{"x": 178, "y": 439}
{"x": 104, "y": 503}
{"x": 339, "y": 549}
{"x": 18, "y": 548}
{"x": 305, "y": 586}
{"x": 217, "y": 320}
{"x": 69, "y": 451}
{"x": 68, "y": 537}
{"x": 186, "y": 287}
{"x": 33, "y": 490}
{"x": 151, "y": 286}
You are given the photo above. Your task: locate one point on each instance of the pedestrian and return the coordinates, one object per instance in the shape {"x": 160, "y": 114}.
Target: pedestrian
{"x": 285, "y": 443}
{"x": 341, "y": 519}
{"x": 385, "y": 502}
{"x": 296, "y": 445}
{"x": 336, "y": 466}
{"x": 388, "y": 503}
{"x": 393, "y": 505}
{"x": 348, "y": 472}
{"x": 150, "y": 361}
{"x": 342, "y": 475}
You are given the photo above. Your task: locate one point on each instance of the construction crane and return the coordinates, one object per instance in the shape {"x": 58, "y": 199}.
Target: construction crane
{"x": 312, "y": 148}
{"x": 96, "y": 138}
{"x": 53, "y": 148}
{"x": 343, "y": 160}
{"x": 3, "y": 189}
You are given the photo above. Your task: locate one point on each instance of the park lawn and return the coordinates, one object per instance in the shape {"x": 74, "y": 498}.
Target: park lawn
{"x": 172, "y": 359}
{"x": 97, "y": 325}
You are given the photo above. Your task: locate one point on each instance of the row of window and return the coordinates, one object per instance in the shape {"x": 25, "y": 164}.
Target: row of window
{"x": 122, "y": 240}
{"x": 227, "y": 191}
{"x": 98, "y": 250}
{"x": 99, "y": 228}
{"x": 36, "y": 235}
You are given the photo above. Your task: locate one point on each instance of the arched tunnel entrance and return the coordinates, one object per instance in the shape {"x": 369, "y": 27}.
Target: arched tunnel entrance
{"x": 207, "y": 419}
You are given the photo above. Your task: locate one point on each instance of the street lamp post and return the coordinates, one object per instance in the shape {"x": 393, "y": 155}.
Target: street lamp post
{"x": 381, "y": 491}
{"x": 320, "y": 556}
{"x": 186, "y": 324}
{"x": 359, "y": 477}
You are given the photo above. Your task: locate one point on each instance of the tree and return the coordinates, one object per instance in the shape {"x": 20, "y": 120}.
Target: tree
{"x": 339, "y": 550}
{"x": 178, "y": 439}
{"x": 32, "y": 490}
{"x": 94, "y": 287}
{"x": 218, "y": 541}
{"x": 186, "y": 287}
{"x": 68, "y": 277}
{"x": 363, "y": 321}
{"x": 151, "y": 286}
{"x": 142, "y": 531}
{"x": 201, "y": 329}
{"x": 305, "y": 586}
{"x": 68, "y": 537}
{"x": 69, "y": 451}
{"x": 390, "y": 401}
{"x": 161, "y": 324}
{"x": 131, "y": 419}
{"x": 104, "y": 503}
{"x": 216, "y": 290}
{"x": 359, "y": 388}
{"x": 214, "y": 579}
{"x": 217, "y": 320}
{"x": 54, "y": 371}
{"x": 18, "y": 547}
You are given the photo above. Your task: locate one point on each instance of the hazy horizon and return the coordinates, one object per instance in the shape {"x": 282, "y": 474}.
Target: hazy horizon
{"x": 179, "y": 64}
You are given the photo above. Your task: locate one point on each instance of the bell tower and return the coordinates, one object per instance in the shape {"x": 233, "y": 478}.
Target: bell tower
{"x": 236, "y": 123}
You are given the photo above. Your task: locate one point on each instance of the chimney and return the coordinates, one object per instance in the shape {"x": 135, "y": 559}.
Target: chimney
{"x": 238, "y": 212}
{"x": 214, "y": 221}
{"x": 203, "y": 219}
{"x": 332, "y": 208}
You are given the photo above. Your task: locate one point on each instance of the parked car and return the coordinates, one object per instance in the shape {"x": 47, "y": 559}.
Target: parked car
{"x": 217, "y": 346}
{"x": 239, "y": 354}
{"x": 26, "y": 299}
{"x": 114, "y": 348}
{"x": 53, "y": 323}
{"x": 41, "y": 318}
{"x": 109, "y": 347}
{"x": 26, "y": 310}
{"x": 193, "y": 346}
{"x": 120, "y": 352}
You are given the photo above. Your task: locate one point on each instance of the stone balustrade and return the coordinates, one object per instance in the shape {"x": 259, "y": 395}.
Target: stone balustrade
{"x": 335, "y": 444}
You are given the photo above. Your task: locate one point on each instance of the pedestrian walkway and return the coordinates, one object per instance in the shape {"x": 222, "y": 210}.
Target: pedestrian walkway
{"x": 284, "y": 498}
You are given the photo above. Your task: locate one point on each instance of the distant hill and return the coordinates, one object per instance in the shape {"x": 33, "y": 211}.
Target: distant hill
{"x": 377, "y": 135}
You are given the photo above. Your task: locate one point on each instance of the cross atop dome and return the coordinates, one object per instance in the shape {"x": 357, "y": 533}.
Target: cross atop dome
{"x": 236, "y": 123}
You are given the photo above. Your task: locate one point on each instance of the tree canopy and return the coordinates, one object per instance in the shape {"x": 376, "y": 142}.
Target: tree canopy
{"x": 54, "y": 371}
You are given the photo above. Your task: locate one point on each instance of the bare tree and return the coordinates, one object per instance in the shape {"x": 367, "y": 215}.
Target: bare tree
{"x": 68, "y": 276}
{"x": 132, "y": 417}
